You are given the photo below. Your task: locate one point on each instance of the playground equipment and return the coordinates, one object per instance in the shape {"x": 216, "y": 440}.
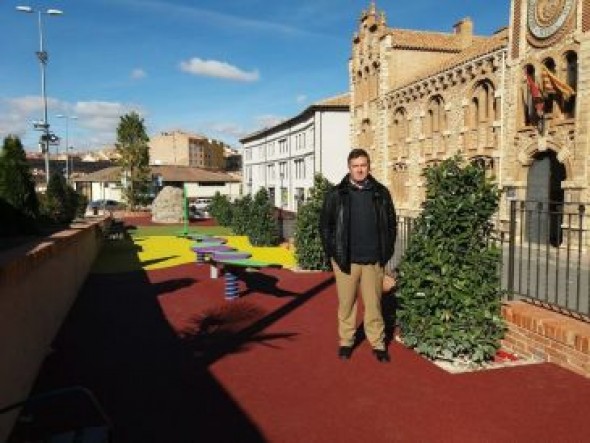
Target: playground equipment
{"x": 231, "y": 267}
{"x": 228, "y": 260}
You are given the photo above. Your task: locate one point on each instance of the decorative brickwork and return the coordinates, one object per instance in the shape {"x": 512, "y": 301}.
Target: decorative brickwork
{"x": 483, "y": 92}
{"x": 536, "y": 332}
{"x": 516, "y": 29}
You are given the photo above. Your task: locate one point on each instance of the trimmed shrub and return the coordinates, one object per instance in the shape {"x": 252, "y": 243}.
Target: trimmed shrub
{"x": 221, "y": 209}
{"x": 308, "y": 245}
{"x": 262, "y": 229}
{"x": 449, "y": 287}
{"x": 241, "y": 215}
{"x": 60, "y": 203}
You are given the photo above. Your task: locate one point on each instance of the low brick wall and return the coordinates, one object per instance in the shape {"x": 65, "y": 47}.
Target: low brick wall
{"x": 537, "y": 332}
{"x": 39, "y": 282}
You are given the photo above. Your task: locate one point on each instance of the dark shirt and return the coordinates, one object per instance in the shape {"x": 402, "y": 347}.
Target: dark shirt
{"x": 364, "y": 241}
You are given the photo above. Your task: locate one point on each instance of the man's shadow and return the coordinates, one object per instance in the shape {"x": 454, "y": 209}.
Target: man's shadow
{"x": 257, "y": 281}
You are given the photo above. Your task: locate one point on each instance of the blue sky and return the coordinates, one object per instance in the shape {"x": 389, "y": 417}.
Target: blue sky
{"x": 223, "y": 68}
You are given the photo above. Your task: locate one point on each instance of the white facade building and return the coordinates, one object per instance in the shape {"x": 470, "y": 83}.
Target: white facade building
{"x": 285, "y": 158}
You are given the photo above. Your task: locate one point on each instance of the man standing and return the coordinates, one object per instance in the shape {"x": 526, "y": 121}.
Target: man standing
{"x": 358, "y": 230}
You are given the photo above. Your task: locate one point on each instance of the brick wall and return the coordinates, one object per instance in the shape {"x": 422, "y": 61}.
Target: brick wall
{"x": 536, "y": 332}
{"x": 38, "y": 283}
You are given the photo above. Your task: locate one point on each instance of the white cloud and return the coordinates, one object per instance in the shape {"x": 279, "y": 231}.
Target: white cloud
{"x": 138, "y": 73}
{"x": 214, "y": 68}
{"x": 96, "y": 123}
{"x": 101, "y": 118}
{"x": 301, "y": 98}
{"x": 18, "y": 114}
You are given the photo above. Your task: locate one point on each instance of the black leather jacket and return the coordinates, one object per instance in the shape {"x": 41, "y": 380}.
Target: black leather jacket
{"x": 335, "y": 223}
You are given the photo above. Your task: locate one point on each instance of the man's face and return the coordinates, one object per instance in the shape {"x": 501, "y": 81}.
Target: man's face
{"x": 359, "y": 168}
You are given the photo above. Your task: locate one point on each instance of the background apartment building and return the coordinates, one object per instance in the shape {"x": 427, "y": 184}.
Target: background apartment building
{"x": 284, "y": 158}
{"x": 186, "y": 149}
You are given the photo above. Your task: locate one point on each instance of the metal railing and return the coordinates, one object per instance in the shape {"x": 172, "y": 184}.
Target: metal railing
{"x": 544, "y": 254}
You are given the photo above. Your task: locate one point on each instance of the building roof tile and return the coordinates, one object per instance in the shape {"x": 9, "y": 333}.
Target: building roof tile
{"x": 169, "y": 173}
{"x": 481, "y": 46}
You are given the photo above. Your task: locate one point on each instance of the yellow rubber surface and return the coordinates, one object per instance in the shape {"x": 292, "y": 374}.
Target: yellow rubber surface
{"x": 155, "y": 252}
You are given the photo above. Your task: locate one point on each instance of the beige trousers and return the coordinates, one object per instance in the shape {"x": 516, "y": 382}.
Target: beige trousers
{"x": 370, "y": 280}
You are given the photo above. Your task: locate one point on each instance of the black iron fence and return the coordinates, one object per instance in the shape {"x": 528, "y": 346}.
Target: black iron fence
{"x": 545, "y": 257}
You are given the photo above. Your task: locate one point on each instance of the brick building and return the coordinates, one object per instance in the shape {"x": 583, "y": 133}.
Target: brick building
{"x": 516, "y": 101}
{"x": 185, "y": 149}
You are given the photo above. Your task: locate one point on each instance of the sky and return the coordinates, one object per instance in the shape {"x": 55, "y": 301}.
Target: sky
{"x": 221, "y": 68}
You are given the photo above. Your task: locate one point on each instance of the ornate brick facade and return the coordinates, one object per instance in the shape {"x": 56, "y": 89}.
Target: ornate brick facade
{"x": 418, "y": 97}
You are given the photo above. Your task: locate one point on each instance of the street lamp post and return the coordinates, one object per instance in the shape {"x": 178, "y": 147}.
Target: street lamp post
{"x": 67, "y": 118}
{"x": 43, "y": 57}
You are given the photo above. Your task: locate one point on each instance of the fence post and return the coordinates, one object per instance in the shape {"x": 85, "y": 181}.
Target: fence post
{"x": 511, "y": 249}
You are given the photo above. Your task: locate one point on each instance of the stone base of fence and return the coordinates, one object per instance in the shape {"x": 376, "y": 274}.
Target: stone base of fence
{"x": 539, "y": 333}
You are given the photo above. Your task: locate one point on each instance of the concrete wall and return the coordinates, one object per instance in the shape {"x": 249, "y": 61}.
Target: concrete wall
{"x": 334, "y": 145}
{"x": 232, "y": 190}
{"x": 106, "y": 191}
{"x": 38, "y": 284}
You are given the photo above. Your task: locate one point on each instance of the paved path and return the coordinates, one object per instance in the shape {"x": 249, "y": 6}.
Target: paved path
{"x": 171, "y": 361}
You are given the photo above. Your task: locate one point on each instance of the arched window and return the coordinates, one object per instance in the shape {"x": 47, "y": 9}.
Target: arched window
{"x": 483, "y": 104}
{"x": 435, "y": 117}
{"x": 571, "y": 76}
{"x": 549, "y": 93}
{"x": 429, "y": 123}
{"x": 474, "y": 115}
{"x": 400, "y": 124}
{"x": 531, "y": 97}
{"x": 481, "y": 115}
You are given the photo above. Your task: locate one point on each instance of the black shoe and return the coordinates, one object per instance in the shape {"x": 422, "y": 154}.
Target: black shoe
{"x": 344, "y": 352}
{"x": 381, "y": 355}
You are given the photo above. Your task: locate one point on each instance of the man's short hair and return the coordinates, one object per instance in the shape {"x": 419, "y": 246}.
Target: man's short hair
{"x": 358, "y": 152}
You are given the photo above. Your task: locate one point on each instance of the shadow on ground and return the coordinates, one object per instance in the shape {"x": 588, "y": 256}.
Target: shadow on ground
{"x": 155, "y": 386}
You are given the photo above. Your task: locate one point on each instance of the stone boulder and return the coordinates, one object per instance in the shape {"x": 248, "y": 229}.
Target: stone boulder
{"x": 167, "y": 207}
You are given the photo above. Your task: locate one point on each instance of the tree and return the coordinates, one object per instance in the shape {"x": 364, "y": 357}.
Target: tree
{"x": 221, "y": 209}
{"x": 308, "y": 245}
{"x": 263, "y": 230}
{"x": 17, "y": 186}
{"x": 57, "y": 205}
{"x": 449, "y": 287}
{"x": 133, "y": 153}
{"x": 241, "y": 215}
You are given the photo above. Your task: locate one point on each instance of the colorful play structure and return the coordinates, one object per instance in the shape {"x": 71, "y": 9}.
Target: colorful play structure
{"x": 226, "y": 260}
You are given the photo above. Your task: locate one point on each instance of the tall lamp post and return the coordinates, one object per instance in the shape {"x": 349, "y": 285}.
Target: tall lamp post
{"x": 43, "y": 57}
{"x": 67, "y": 118}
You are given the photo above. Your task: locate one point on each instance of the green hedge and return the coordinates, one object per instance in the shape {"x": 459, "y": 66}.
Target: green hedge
{"x": 308, "y": 245}
{"x": 449, "y": 286}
